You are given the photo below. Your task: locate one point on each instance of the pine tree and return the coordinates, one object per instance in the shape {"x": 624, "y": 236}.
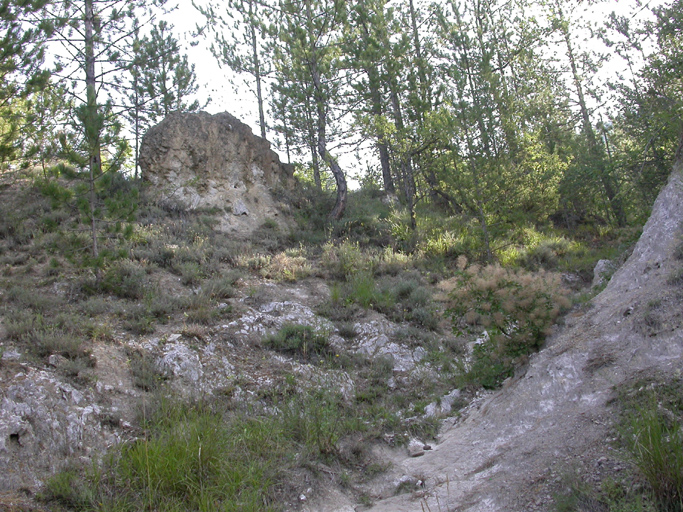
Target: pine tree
{"x": 22, "y": 52}
{"x": 96, "y": 36}
{"x": 308, "y": 67}
{"x": 158, "y": 80}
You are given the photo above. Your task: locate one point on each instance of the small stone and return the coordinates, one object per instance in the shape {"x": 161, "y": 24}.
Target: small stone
{"x": 56, "y": 360}
{"x": 416, "y": 448}
{"x": 11, "y": 355}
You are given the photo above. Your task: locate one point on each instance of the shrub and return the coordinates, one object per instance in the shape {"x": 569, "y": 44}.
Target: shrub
{"x": 55, "y": 341}
{"x": 125, "y": 279}
{"x": 516, "y": 309}
{"x": 344, "y": 260}
{"x": 287, "y": 267}
{"x": 547, "y": 253}
{"x": 190, "y": 273}
{"x": 220, "y": 288}
{"x": 144, "y": 370}
{"x": 301, "y": 340}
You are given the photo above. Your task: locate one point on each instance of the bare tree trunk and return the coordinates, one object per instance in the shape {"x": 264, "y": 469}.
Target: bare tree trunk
{"x": 339, "y": 178}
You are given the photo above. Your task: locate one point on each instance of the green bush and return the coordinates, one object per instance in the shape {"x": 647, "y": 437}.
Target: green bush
{"x": 516, "y": 309}
{"x": 125, "y": 279}
{"x": 301, "y": 340}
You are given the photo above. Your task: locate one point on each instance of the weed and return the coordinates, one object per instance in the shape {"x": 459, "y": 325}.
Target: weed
{"x": 68, "y": 489}
{"x": 125, "y": 279}
{"x": 676, "y": 278}
{"x": 56, "y": 341}
{"x": 347, "y": 330}
{"x": 285, "y": 267}
{"x": 344, "y": 260}
{"x": 190, "y": 272}
{"x": 220, "y": 288}
{"x": 145, "y": 372}
{"x": 139, "y": 321}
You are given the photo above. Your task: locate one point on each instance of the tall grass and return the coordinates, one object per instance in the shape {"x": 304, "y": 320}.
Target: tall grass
{"x": 656, "y": 447}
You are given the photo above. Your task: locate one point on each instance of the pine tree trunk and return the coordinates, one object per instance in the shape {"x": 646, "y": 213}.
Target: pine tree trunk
{"x": 257, "y": 72}
{"x": 92, "y": 124}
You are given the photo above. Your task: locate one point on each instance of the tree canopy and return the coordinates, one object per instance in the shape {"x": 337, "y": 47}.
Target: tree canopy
{"x": 495, "y": 112}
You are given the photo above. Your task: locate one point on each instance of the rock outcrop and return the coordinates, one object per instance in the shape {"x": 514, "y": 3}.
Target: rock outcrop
{"x": 215, "y": 162}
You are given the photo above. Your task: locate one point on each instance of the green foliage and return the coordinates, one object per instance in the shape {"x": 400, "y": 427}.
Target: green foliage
{"x": 68, "y": 489}
{"x": 125, "y": 279}
{"x": 318, "y": 421}
{"x": 195, "y": 460}
{"x": 516, "y": 309}
{"x": 300, "y": 340}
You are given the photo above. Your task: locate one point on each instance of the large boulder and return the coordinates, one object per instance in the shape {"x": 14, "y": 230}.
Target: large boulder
{"x": 215, "y": 162}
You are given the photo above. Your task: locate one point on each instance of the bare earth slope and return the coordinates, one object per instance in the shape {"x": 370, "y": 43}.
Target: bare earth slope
{"x": 507, "y": 455}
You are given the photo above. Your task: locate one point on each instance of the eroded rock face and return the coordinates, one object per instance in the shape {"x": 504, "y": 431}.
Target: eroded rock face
{"x": 215, "y": 161}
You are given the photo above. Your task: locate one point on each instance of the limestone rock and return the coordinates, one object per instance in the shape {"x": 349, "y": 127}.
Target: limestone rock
{"x": 216, "y": 162}
{"x": 416, "y": 448}
{"x": 602, "y": 271}
{"x": 43, "y": 423}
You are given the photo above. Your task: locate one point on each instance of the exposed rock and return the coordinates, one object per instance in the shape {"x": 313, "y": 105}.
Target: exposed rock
{"x": 603, "y": 269}
{"x": 44, "y": 421}
{"x": 216, "y": 162}
{"x": 444, "y": 407}
{"x": 416, "y": 448}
